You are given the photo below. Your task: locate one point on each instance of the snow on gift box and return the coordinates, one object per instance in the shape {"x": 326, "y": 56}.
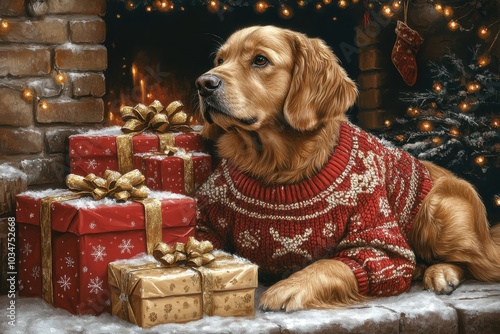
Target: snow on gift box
{"x": 85, "y": 236}
{"x": 152, "y": 128}
{"x": 186, "y": 282}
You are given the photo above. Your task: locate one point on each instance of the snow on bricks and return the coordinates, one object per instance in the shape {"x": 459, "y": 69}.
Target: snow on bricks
{"x": 94, "y": 7}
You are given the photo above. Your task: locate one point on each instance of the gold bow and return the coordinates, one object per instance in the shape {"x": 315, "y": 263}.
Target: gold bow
{"x": 113, "y": 185}
{"x": 155, "y": 117}
{"x": 193, "y": 253}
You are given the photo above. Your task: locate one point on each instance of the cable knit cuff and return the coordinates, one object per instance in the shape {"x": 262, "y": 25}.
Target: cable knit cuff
{"x": 359, "y": 272}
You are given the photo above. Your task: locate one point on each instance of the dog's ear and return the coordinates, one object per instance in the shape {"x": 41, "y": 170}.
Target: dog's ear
{"x": 320, "y": 87}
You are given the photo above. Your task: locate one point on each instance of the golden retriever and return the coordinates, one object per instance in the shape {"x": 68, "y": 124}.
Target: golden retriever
{"x": 275, "y": 104}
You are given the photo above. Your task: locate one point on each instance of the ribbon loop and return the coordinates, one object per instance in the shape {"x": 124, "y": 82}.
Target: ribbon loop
{"x": 113, "y": 185}
{"x": 194, "y": 253}
{"x": 155, "y": 117}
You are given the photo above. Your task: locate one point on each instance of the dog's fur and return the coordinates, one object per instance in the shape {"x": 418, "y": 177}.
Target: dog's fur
{"x": 277, "y": 118}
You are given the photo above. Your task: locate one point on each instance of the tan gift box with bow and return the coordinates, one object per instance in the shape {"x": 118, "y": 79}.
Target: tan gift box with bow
{"x": 148, "y": 293}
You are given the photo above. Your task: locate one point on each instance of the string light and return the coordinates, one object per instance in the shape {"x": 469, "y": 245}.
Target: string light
{"x": 301, "y": 3}
{"x": 433, "y": 105}
{"x": 342, "y": 4}
{"x": 4, "y": 25}
{"x": 327, "y": 2}
{"x": 396, "y": 5}
{"x": 413, "y": 112}
{"x": 28, "y": 94}
{"x": 497, "y": 200}
{"x": 454, "y": 132}
{"x": 319, "y": 6}
{"x": 447, "y": 11}
{"x": 437, "y": 87}
{"x": 473, "y": 87}
{"x": 484, "y": 60}
{"x": 438, "y": 7}
{"x": 387, "y": 123}
{"x": 464, "y": 106}
{"x": 261, "y": 6}
{"x": 285, "y": 12}
{"x": 400, "y": 138}
{"x": 354, "y": 1}
{"x": 61, "y": 78}
{"x": 130, "y": 5}
{"x": 386, "y": 10}
{"x": 44, "y": 105}
{"x": 483, "y": 32}
{"x": 495, "y": 123}
{"x": 149, "y": 9}
{"x": 480, "y": 160}
{"x": 213, "y": 6}
{"x": 453, "y": 25}
{"x": 437, "y": 141}
{"x": 426, "y": 126}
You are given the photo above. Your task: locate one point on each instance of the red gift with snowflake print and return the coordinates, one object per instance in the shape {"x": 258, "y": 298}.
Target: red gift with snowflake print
{"x": 98, "y": 150}
{"x": 181, "y": 173}
{"x": 86, "y": 235}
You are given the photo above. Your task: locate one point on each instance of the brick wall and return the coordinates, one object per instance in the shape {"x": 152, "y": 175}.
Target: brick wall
{"x": 64, "y": 37}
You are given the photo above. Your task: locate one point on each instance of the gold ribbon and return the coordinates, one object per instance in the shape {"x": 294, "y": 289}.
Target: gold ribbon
{"x": 193, "y": 253}
{"x": 115, "y": 185}
{"x": 155, "y": 117}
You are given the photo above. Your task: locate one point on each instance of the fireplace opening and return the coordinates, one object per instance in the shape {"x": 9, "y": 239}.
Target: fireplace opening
{"x": 157, "y": 55}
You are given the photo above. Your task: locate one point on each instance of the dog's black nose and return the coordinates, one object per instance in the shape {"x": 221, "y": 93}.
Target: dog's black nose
{"x": 207, "y": 84}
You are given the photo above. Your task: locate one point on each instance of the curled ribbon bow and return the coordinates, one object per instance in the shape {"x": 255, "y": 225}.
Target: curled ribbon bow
{"x": 114, "y": 185}
{"x": 155, "y": 117}
{"x": 193, "y": 253}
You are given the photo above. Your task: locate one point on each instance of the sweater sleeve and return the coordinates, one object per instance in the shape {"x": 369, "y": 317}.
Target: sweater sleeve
{"x": 378, "y": 254}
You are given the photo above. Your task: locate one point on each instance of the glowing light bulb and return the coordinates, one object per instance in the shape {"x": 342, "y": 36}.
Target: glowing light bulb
{"x": 495, "y": 123}
{"x": 453, "y": 25}
{"x": 497, "y": 200}
{"x": 354, "y": 1}
{"x": 437, "y": 87}
{"x": 437, "y": 141}
{"x": 413, "y": 112}
{"x": 319, "y": 6}
{"x": 396, "y": 5}
{"x": 454, "y": 132}
{"x": 261, "y": 6}
{"x": 464, "y": 106}
{"x": 4, "y": 25}
{"x": 447, "y": 11}
{"x": 27, "y": 94}
{"x": 386, "y": 10}
{"x": 426, "y": 126}
{"x": 484, "y": 60}
{"x": 213, "y": 5}
{"x": 438, "y": 7}
{"x": 60, "y": 78}
{"x": 44, "y": 105}
{"x": 327, "y": 2}
{"x": 480, "y": 160}
{"x": 342, "y": 3}
{"x": 400, "y": 138}
{"x": 433, "y": 105}
{"x": 130, "y": 5}
{"x": 301, "y": 3}
{"x": 387, "y": 123}
{"x": 483, "y": 32}
{"x": 285, "y": 12}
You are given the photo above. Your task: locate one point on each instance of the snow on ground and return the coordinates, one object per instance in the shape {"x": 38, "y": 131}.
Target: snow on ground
{"x": 418, "y": 308}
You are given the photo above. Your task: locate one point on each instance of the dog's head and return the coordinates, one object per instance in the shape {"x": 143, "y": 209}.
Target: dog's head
{"x": 265, "y": 74}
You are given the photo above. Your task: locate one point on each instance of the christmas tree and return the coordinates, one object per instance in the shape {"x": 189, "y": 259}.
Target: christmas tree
{"x": 456, "y": 124}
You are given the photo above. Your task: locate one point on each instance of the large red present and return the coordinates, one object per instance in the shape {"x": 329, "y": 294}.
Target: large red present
{"x": 152, "y": 128}
{"x": 181, "y": 172}
{"x": 85, "y": 235}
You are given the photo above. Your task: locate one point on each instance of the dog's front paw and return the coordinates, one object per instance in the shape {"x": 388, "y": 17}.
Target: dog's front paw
{"x": 323, "y": 284}
{"x": 443, "y": 278}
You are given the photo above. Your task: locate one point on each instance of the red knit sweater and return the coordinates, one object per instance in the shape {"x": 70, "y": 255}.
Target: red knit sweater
{"x": 358, "y": 209}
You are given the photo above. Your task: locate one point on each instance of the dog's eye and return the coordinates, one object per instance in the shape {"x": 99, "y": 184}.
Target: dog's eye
{"x": 260, "y": 61}
{"x": 219, "y": 61}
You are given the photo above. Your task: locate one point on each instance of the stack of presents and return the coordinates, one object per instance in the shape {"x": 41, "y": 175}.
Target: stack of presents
{"x": 121, "y": 237}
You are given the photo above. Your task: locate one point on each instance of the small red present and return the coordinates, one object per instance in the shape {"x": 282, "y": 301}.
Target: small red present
{"x": 84, "y": 235}
{"x": 152, "y": 128}
{"x": 180, "y": 172}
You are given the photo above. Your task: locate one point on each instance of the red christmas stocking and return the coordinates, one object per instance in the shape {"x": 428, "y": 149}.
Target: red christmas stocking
{"x": 403, "y": 54}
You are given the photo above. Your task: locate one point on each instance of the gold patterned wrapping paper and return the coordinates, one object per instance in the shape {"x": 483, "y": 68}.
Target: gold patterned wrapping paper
{"x": 150, "y": 293}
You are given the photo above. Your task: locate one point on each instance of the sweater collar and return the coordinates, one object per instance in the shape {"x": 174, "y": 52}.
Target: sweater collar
{"x": 243, "y": 185}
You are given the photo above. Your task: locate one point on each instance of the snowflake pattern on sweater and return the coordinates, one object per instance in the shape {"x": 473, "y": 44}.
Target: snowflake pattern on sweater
{"x": 358, "y": 209}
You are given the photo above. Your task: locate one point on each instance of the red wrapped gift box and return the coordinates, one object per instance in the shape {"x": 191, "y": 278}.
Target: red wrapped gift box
{"x": 96, "y": 151}
{"x": 86, "y": 236}
{"x": 181, "y": 173}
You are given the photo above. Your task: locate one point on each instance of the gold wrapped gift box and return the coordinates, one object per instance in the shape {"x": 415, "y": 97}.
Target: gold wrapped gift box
{"x": 149, "y": 293}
